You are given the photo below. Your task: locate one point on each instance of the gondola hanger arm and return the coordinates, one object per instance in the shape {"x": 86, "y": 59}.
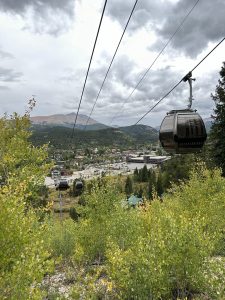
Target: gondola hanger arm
{"x": 189, "y": 78}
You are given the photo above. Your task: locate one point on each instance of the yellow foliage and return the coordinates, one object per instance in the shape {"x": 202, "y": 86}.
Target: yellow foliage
{"x": 24, "y": 258}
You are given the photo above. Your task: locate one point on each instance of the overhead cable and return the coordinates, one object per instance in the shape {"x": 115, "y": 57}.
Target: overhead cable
{"x": 167, "y": 94}
{"x": 156, "y": 58}
{"x": 82, "y": 93}
{"x": 99, "y": 92}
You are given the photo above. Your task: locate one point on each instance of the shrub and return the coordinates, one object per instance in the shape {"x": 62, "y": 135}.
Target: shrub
{"x": 74, "y": 214}
{"x": 24, "y": 258}
{"x": 168, "y": 258}
{"x": 62, "y": 238}
{"x": 163, "y": 250}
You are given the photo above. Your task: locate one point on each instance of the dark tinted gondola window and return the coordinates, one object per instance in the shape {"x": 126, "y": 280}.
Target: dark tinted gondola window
{"x": 64, "y": 182}
{"x": 189, "y": 125}
{"x": 187, "y": 132}
{"x": 167, "y": 124}
{"x": 182, "y": 125}
{"x": 79, "y": 185}
{"x": 196, "y": 129}
{"x": 199, "y": 127}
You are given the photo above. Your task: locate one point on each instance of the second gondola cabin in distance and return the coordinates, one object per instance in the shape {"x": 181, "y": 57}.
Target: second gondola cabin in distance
{"x": 78, "y": 187}
{"x": 183, "y": 131}
{"x": 62, "y": 184}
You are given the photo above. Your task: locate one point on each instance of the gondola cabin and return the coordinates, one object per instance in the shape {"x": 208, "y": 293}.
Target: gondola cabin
{"x": 78, "y": 187}
{"x": 62, "y": 185}
{"x": 182, "y": 131}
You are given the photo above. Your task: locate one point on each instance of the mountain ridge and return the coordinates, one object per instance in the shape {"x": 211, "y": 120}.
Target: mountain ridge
{"x": 60, "y": 136}
{"x": 67, "y": 120}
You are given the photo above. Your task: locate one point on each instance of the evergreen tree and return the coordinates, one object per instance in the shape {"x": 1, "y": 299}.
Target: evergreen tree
{"x": 150, "y": 189}
{"x": 128, "y": 186}
{"x": 140, "y": 192}
{"x": 153, "y": 178}
{"x": 159, "y": 185}
{"x": 151, "y": 184}
{"x": 144, "y": 174}
{"x": 217, "y": 135}
{"x": 136, "y": 175}
{"x": 176, "y": 169}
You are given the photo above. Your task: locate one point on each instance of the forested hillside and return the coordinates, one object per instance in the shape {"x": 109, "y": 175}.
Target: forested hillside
{"x": 60, "y": 137}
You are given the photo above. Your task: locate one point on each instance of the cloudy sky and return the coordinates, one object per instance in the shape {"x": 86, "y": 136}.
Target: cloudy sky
{"x": 45, "y": 47}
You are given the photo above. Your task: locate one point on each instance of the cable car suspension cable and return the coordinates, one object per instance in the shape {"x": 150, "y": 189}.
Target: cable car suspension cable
{"x": 183, "y": 79}
{"x": 156, "y": 58}
{"x": 125, "y": 28}
{"x": 81, "y": 97}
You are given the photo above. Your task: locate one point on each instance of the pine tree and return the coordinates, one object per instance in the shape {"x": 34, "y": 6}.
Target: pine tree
{"x": 217, "y": 135}
{"x": 140, "y": 192}
{"x": 159, "y": 185}
{"x": 150, "y": 189}
{"x": 149, "y": 173}
{"x": 151, "y": 184}
{"x": 144, "y": 174}
{"x": 136, "y": 175}
{"x": 128, "y": 186}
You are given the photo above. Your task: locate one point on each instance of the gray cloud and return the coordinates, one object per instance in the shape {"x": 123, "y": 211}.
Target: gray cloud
{"x": 158, "y": 84}
{"x": 20, "y": 6}
{"x": 178, "y": 99}
{"x": 164, "y": 17}
{"x": 155, "y": 85}
{"x": 146, "y": 12}
{"x": 119, "y": 85}
{"x": 76, "y": 79}
{"x": 9, "y": 75}
{"x": 123, "y": 71}
{"x": 4, "y": 54}
{"x": 123, "y": 78}
{"x": 200, "y": 28}
{"x": 4, "y": 88}
{"x": 49, "y": 16}
{"x": 69, "y": 75}
{"x": 119, "y": 80}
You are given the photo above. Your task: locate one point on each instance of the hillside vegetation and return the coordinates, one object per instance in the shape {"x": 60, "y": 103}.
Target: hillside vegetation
{"x": 162, "y": 250}
{"x": 170, "y": 248}
{"x": 60, "y": 137}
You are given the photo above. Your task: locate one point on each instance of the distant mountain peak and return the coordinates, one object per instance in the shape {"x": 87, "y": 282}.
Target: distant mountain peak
{"x": 67, "y": 120}
{"x": 61, "y": 119}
